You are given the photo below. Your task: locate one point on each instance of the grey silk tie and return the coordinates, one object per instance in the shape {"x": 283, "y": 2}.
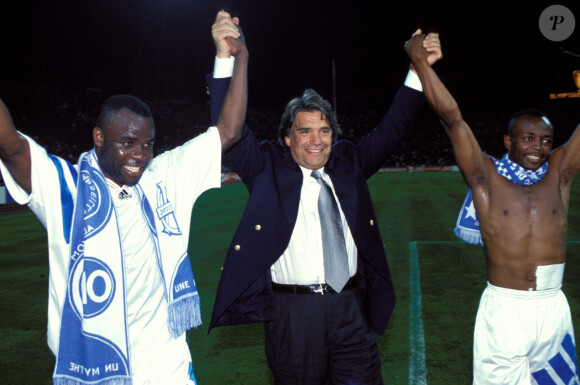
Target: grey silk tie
{"x": 333, "y": 244}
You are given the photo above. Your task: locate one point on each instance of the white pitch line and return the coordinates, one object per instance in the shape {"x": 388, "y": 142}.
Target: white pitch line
{"x": 417, "y": 369}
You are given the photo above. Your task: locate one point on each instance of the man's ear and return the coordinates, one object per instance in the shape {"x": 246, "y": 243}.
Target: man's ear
{"x": 98, "y": 137}
{"x": 287, "y": 140}
{"x": 507, "y": 142}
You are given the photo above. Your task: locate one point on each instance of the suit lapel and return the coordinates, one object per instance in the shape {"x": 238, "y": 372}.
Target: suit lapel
{"x": 289, "y": 182}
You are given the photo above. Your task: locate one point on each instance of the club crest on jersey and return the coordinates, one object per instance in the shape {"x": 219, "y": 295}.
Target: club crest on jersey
{"x": 165, "y": 212}
{"x": 91, "y": 288}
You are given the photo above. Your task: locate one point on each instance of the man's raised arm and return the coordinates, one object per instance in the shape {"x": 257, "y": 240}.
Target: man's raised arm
{"x": 468, "y": 153}
{"x": 571, "y": 159}
{"x": 233, "y": 113}
{"x": 14, "y": 150}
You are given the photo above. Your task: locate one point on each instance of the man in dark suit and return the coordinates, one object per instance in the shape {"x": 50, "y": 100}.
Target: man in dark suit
{"x": 276, "y": 269}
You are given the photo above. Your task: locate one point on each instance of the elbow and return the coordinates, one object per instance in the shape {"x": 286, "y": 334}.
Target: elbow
{"x": 230, "y": 136}
{"x": 451, "y": 117}
{"x": 12, "y": 147}
{"x": 236, "y": 135}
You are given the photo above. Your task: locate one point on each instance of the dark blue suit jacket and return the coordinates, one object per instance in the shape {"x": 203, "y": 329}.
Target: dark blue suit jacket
{"x": 274, "y": 181}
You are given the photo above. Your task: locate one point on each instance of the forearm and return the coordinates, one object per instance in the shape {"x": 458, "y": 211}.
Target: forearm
{"x": 375, "y": 147}
{"x": 571, "y": 159}
{"x": 437, "y": 95}
{"x": 14, "y": 150}
{"x": 10, "y": 142}
{"x": 468, "y": 153}
{"x": 233, "y": 113}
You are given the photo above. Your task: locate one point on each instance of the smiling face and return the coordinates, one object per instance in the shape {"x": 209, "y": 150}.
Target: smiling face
{"x": 310, "y": 140}
{"x": 124, "y": 146}
{"x": 530, "y": 142}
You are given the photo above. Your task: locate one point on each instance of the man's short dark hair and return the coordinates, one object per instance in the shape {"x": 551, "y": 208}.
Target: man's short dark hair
{"x": 116, "y": 103}
{"x": 309, "y": 101}
{"x": 525, "y": 114}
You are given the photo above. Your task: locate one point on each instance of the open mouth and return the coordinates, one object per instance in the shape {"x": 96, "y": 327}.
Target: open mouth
{"x": 534, "y": 157}
{"x": 133, "y": 169}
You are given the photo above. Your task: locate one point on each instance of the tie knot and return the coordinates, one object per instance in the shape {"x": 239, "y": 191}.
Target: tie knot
{"x": 316, "y": 175}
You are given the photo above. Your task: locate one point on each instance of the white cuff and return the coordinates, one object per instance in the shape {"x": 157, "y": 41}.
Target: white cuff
{"x": 413, "y": 81}
{"x": 223, "y": 67}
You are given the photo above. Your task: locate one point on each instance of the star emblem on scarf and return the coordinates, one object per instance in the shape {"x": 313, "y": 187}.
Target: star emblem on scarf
{"x": 470, "y": 211}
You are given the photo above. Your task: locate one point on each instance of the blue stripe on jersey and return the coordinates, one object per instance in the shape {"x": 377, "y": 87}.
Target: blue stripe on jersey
{"x": 73, "y": 170}
{"x": 568, "y": 345}
{"x": 66, "y": 199}
{"x": 543, "y": 378}
{"x": 561, "y": 368}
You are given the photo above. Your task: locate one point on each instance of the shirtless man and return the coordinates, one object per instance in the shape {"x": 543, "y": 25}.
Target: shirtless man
{"x": 523, "y": 331}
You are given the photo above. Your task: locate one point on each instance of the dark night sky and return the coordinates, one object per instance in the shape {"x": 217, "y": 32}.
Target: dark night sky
{"x": 161, "y": 49}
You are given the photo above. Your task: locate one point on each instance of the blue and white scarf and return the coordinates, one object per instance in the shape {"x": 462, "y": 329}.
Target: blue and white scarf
{"x": 467, "y": 225}
{"x": 94, "y": 344}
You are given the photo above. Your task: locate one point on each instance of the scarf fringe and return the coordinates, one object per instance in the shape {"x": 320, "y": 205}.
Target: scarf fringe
{"x": 469, "y": 236}
{"x": 108, "y": 381}
{"x": 184, "y": 314}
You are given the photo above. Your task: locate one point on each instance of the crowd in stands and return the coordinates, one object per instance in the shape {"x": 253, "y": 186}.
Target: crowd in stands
{"x": 62, "y": 122}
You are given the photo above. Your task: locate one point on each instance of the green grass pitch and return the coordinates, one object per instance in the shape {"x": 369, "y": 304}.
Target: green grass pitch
{"x": 438, "y": 282}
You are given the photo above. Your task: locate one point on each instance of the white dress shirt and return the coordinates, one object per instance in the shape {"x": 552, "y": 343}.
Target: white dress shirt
{"x": 303, "y": 263}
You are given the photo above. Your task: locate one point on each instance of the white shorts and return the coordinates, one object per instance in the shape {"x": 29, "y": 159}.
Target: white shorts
{"x": 524, "y": 337}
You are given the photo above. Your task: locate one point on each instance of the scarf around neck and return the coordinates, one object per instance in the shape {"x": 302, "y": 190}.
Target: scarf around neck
{"x": 467, "y": 224}
{"x": 94, "y": 344}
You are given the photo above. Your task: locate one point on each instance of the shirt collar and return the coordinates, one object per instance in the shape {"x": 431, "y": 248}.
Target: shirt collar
{"x": 306, "y": 173}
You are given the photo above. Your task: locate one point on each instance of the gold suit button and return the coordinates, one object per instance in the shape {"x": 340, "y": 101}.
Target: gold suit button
{"x": 372, "y": 222}
{"x": 237, "y": 247}
{"x": 258, "y": 227}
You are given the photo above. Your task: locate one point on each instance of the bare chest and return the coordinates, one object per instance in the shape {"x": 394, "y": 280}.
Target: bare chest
{"x": 539, "y": 199}
{"x": 536, "y": 210}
